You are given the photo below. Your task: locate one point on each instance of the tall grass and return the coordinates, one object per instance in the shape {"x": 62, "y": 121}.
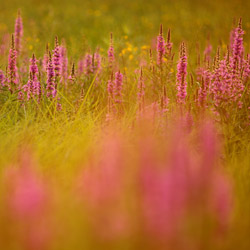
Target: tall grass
{"x": 138, "y": 142}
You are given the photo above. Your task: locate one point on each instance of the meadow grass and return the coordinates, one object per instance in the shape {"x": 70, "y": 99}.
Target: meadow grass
{"x": 63, "y": 142}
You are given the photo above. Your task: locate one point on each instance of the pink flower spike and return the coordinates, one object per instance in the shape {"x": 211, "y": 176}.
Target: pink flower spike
{"x": 111, "y": 54}
{"x": 88, "y": 65}
{"x": 12, "y": 67}
{"x": 160, "y": 47}
{"x": 57, "y": 59}
{"x": 46, "y": 58}
{"x": 118, "y": 87}
{"x": 50, "y": 78}
{"x": 169, "y": 44}
{"x": 64, "y": 60}
{"x": 18, "y": 32}
{"x": 238, "y": 49}
{"x": 181, "y": 81}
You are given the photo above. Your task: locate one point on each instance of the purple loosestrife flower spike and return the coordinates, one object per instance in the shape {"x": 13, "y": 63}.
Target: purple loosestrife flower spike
{"x": 238, "y": 48}
{"x": 12, "y": 68}
{"x": 97, "y": 61}
{"x": 88, "y": 65}
{"x": 246, "y": 73}
{"x": 110, "y": 90}
{"x": 111, "y": 54}
{"x": 216, "y": 87}
{"x": 18, "y": 32}
{"x": 203, "y": 91}
{"x": 36, "y": 85}
{"x": 28, "y": 87}
{"x": 181, "y": 75}
{"x": 207, "y": 52}
{"x": 110, "y": 87}
{"x": 160, "y": 47}
{"x": 118, "y": 87}
{"x": 80, "y": 67}
{"x": 33, "y": 66}
{"x": 169, "y": 45}
{"x": 57, "y": 59}
{"x": 64, "y": 60}
{"x": 50, "y": 78}
{"x": 33, "y": 85}
{"x": 38, "y": 88}
{"x": 46, "y": 58}
{"x": 232, "y": 36}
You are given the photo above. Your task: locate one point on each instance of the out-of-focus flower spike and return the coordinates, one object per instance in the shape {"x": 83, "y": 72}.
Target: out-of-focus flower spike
{"x": 46, "y": 58}
{"x": 111, "y": 54}
{"x": 164, "y": 100}
{"x": 18, "y": 32}
{"x": 118, "y": 87}
{"x": 97, "y": 57}
{"x": 160, "y": 46}
{"x": 28, "y": 87}
{"x": 88, "y": 64}
{"x": 141, "y": 92}
{"x": 110, "y": 86}
{"x": 2, "y": 79}
{"x": 208, "y": 51}
{"x": 151, "y": 59}
{"x": 217, "y": 59}
{"x": 72, "y": 76}
{"x": 64, "y": 61}
{"x": 28, "y": 205}
{"x": 169, "y": 45}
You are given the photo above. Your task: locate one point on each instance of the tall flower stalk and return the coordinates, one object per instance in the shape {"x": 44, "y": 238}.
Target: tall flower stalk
{"x": 118, "y": 84}
{"x": 181, "y": 81}
{"x": 160, "y": 47}
{"x": 72, "y": 76}
{"x": 46, "y": 58}
{"x": 141, "y": 92}
{"x": 64, "y": 62}
{"x": 238, "y": 48}
{"x": 88, "y": 64}
{"x": 51, "y": 91}
{"x": 18, "y": 32}
{"x": 28, "y": 87}
{"x": 169, "y": 44}
{"x": 111, "y": 53}
{"x": 57, "y": 60}
{"x": 33, "y": 86}
{"x": 12, "y": 67}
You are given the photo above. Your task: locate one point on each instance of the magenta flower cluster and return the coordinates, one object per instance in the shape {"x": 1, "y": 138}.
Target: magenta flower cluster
{"x": 181, "y": 81}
